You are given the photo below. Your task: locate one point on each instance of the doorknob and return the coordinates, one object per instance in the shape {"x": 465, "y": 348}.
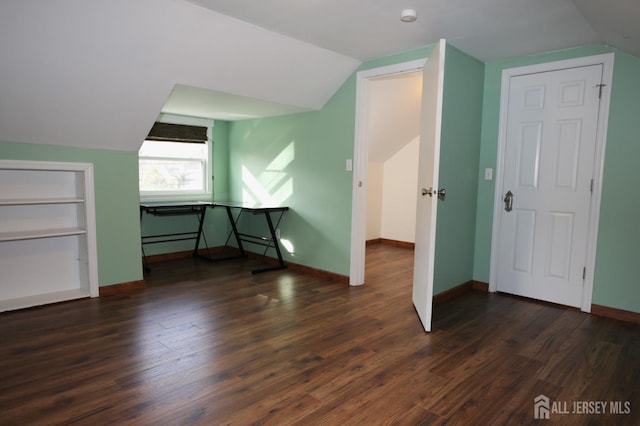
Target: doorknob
{"x": 431, "y": 192}
{"x": 508, "y": 201}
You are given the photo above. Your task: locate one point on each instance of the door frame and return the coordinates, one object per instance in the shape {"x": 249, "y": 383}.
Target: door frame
{"x": 607, "y": 61}
{"x": 360, "y": 162}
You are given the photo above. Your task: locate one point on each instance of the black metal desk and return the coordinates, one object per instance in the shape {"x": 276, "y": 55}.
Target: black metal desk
{"x": 197, "y": 208}
{"x": 270, "y": 241}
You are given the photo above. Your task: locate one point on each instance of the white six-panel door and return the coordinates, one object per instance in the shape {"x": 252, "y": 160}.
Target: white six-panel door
{"x": 549, "y": 153}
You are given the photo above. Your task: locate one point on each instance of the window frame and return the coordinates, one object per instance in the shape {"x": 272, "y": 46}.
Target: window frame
{"x": 183, "y": 195}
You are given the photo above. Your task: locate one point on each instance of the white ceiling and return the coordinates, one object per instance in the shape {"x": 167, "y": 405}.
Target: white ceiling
{"x": 617, "y": 22}
{"x": 485, "y": 29}
{"x": 198, "y": 102}
{"x": 97, "y": 73}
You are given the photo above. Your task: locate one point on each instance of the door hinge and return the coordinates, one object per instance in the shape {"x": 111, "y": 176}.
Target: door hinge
{"x": 600, "y": 86}
{"x": 591, "y": 187}
{"x": 584, "y": 273}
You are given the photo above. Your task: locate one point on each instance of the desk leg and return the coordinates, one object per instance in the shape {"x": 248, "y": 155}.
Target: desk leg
{"x": 276, "y": 245}
{"x": 145, "y": 267}
{"x": 235, "y": 230}
{"x": 203, "y": 210}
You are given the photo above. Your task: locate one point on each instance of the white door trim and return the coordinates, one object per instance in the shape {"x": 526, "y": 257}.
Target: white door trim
{"x": 607, "y": 61}
{"x": 360, "y": 162}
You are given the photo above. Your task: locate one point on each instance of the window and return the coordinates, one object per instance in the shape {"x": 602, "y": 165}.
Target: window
{"x": 175, "y": 167}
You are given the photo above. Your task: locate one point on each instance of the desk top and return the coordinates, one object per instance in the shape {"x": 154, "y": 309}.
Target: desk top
{"x": 249, "y": 206}
{"x": 231, "y": 204}
{"x": 170, "y": 204}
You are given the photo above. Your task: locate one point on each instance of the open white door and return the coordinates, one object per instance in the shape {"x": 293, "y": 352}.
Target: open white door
{"x": 428, "y": 169}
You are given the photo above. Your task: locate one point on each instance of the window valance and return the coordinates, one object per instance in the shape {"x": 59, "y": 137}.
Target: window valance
{"x": 177, "y": 133}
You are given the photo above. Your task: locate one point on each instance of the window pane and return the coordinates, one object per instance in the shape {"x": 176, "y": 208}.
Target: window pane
{"x": 171, "y": 175}
{"x": 173, "y": 149}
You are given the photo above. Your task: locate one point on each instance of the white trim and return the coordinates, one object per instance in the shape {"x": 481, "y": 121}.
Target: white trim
{"x": 598, "y": 172}
{"x": 607, "y": 61}
{"x": 185, "y": 195}
{"x": 360, "y": 163}
{"x": 393, "y": 69}
{"x": 43, "y": 165}
{"x": 92, "y": 239}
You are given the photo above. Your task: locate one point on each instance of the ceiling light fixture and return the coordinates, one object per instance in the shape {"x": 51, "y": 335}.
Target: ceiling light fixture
{"x": 408, "y": 15}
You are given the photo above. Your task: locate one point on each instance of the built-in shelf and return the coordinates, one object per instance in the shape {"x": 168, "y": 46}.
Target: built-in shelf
{"x": 37, "y": 201}
{"x": 47, "y": 233}
{"x": 44, "y": 233}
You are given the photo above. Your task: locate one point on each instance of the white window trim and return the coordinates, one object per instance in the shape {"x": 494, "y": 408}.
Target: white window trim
{"x": 186, "y": 195}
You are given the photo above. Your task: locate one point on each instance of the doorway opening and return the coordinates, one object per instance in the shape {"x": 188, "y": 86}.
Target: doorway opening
{"x": 388, "y": 101}
{"x": 393, "y": 129}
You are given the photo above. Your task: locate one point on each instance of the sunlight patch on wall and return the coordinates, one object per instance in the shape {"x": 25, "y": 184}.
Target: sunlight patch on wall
{"x": 288, "y": 246}
{"x": 283, "y": 159}
{"x": 273, "y": 186}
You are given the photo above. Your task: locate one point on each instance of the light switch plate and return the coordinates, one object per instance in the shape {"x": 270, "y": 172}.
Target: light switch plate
{"x": 488, "y": 173}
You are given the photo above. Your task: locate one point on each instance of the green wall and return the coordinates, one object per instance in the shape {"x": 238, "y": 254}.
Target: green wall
{"x": 220, "y": 160}
{"x": 298, "y": 160}
{"x": 616, "y": 282}
{"x": 319, "y": 223}
{"x": 308, "y": 174}
{"x": 116, "y": 198}
{"x": 617, "y": 274}
{"x": 459, "y": 153}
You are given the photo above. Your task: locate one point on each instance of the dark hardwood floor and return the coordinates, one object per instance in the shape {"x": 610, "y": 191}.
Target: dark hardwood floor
{"x": 212, "y": 344}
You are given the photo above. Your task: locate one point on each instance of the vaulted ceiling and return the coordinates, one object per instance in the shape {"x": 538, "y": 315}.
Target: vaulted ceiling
{"x": 97, "y": 73}
{"x": 366, "y": 29}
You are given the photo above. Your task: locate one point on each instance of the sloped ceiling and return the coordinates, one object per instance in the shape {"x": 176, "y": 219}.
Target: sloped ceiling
{"x": 485, "y": 29}
{"x": 96, "y": 73}
{"x": 617, "y": 22}
{"x": 199, "y": 102}
{"x": 393, "y": 114}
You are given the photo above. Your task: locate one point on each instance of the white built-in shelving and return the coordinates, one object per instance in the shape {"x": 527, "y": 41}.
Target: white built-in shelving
{"x": 47, "y": 233}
